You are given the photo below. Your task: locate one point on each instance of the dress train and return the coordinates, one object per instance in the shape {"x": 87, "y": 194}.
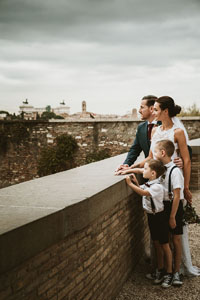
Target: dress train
{"x": 187, "y": 268}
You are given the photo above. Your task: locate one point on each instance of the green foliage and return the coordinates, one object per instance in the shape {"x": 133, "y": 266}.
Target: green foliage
{"x": 4, "y": 139}
{"x": 4, "y": 112}
{"x": 190, "y": 216}
{"x": 14, "y": 134}
{"x": 50, "y": 115}
{"x": 192, "y": 110}
{"x": 97, "y": 155}
{"x": 48, "y": 108}
{"x": 59, "y": 157}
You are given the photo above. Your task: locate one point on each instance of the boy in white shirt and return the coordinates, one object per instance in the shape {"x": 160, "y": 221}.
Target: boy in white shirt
{"x": 153, "y": 195}
{"x": 173, "y": 205}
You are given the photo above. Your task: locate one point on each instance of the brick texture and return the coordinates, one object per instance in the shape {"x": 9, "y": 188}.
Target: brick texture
{"x": 90, "y": 264}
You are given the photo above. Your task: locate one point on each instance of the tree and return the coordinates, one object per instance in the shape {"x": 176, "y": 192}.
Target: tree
{"x": 59, "y": 157}
{"x": 48, "y": 108}
{"x": 50, "y": 115}
{"x": 192, "y": 110}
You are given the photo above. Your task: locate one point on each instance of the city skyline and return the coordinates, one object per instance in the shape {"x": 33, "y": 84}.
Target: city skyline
{"x": 108, "y": 53}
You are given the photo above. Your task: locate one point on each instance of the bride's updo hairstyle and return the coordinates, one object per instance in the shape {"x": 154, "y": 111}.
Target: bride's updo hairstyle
{"x": 168, "y": 102}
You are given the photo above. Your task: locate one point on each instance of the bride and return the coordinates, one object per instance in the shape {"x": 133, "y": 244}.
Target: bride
{"x": 173, "y": 129}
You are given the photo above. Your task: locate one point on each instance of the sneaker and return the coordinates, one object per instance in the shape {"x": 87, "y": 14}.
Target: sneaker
{"x": 159, "y": 276}
{"x": 177, "y": 280}
{"x": 151, "y": 276}
{"x": 167, "y": 281}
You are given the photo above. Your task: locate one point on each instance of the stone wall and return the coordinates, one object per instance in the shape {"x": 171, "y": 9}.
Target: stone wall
{"x": 62, "y": 238}
{"x": 19, "y": 162}
{"x": 195, "y": 165}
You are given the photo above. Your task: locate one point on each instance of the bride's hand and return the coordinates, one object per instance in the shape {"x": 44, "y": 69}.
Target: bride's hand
{"x": 179, "y": 162}
{"x": 188, "y": 195}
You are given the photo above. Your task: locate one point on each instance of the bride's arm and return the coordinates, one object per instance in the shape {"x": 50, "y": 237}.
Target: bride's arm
{"x": 179, "y": 137}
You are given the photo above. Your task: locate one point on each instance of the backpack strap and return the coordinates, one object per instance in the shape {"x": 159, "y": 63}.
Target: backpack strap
{"x": 170, "y": 194}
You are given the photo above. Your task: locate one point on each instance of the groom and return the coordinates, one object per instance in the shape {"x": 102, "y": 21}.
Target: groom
{"x": 143, "y": 135}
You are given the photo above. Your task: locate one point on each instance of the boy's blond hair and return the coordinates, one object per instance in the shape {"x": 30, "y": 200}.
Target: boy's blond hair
{"x": 157, "y": 166}
{"x": 167, "y": 146}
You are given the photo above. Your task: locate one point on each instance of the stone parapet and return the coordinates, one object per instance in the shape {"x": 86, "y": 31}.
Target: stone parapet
{"x": 19, "y": 162}
{"x": 74, "y": 235}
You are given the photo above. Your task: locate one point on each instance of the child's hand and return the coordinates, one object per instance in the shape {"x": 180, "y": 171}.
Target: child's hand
{"x": 172, "y": 222}
{"x": 124, "y": 172}
{"x": 128, "y": 180}
{"x": 133, "y": 178}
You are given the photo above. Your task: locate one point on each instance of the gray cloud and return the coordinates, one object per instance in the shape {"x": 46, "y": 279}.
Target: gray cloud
{"x": 64, "y": 43}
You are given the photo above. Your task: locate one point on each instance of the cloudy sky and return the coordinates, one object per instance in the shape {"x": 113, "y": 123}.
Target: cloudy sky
{"x": 109, "y": 53}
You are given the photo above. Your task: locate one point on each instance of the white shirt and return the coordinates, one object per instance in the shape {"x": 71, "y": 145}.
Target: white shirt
{"x": 177, "y": 181}
{"x": 156, "y": 191}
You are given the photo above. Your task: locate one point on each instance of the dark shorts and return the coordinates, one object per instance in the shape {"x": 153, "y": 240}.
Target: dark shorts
{"x": 159, "y": 227}
{"x": 178, "y": 230}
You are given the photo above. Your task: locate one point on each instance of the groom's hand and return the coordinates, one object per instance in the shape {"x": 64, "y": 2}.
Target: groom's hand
{"x": 121, "y": 167}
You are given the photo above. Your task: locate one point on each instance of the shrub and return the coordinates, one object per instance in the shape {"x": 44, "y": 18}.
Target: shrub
{"x": 15, "y": 135}
{"x": 192, "y": 110}
{"x": 59, "y": 157}
{"x": 97, "y": 155}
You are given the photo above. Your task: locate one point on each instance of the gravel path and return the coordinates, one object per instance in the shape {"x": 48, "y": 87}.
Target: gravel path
{"x": 138, "y": 287}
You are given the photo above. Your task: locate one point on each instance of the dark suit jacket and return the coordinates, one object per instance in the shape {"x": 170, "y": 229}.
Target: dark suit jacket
{"x": 141, "y": 143}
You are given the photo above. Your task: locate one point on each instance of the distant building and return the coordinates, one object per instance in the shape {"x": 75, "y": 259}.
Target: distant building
{"x": 62, "y": 110}
{"x": 3, "y": 116}
{"x": 30, "y": 112}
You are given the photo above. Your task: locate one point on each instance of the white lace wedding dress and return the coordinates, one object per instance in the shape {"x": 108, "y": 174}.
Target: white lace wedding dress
{"x": 186, "y": 265}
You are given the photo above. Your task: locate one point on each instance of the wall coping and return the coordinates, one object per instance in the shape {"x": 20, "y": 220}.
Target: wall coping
{"x": 195, "y": 144}
{"x": 89, "y": 120}
{"x": 38, "y": 213}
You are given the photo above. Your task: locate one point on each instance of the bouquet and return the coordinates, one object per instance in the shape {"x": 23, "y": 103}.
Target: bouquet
{"x": 190, "y": 216}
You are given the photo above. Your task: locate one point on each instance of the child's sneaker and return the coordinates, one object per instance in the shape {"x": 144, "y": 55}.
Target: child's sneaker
{"x": 159, "y": 276}
{"x": 152, "y": 276}
{"x": 168, "y": 279}
{"x": 177, "y": 280}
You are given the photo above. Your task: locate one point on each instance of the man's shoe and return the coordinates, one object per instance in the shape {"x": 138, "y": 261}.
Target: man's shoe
{"x": 151, "y": 276}
{"x": 177, "y": 280}
{"x": 167, "y": 281}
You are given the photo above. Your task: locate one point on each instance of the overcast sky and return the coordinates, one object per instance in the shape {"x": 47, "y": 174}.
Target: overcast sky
{"x": 109, "y": 53}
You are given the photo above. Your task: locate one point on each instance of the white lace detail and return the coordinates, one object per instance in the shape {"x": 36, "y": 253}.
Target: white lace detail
{"x": 164, "y": 135}
{"x": 179, "y": 124}
{"x": 186, "y": 265}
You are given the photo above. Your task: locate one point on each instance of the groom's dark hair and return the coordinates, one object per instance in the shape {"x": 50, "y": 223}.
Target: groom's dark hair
{"x": 150, "y": 99}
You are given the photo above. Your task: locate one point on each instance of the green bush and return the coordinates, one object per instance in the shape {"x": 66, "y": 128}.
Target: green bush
{"x": 15, "y": 134}
{"x": 97, "y": 155}
{"x": 59, "y": 157}
{"x": 192, "y": 110}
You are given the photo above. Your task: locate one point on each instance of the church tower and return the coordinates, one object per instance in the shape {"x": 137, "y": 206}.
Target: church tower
{"x": 84, "y": 107}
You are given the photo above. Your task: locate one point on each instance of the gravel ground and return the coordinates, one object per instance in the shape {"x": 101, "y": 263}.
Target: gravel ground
{"x": 138, "y": 287}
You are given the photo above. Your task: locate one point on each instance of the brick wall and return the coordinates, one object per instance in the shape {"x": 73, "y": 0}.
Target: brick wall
{"x": 19, "y": 163}
{"x": 91, "y": 262}
{"x": 195, "y": 165}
